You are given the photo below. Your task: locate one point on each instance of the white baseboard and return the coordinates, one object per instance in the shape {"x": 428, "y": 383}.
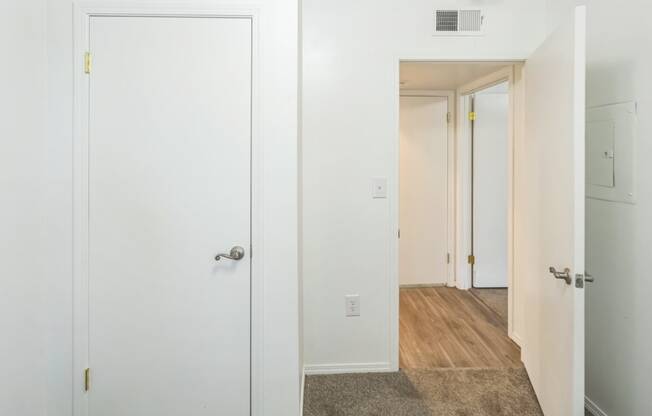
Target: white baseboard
{"x": 303, "y": 389}
{"x": 593, "y": 408}
{"x": 347, "y": 368}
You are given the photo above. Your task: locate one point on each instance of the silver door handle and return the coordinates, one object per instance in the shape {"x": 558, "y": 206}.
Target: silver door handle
{"x": 236, "y": 253}
{"x": 565, "y": 275}
{"x": 588, "y": 277}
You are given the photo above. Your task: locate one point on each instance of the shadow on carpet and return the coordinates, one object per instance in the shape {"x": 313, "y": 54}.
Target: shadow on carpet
{"x": 444, "y": 392}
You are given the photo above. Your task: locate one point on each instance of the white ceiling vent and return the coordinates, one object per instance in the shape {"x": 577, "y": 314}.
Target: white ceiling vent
{"x": 465, "y": 22}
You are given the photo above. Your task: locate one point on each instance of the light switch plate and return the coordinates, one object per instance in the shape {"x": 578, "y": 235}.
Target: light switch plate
{"x": 379, "y": 187}
{"x": 352, "y": 305}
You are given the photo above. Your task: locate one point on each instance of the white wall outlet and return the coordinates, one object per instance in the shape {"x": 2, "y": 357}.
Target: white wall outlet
{"x": 379, "y": 187}
{"x": 352, "y": 305}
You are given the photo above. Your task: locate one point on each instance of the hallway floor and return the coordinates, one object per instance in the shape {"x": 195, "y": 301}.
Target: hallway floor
{"x": 443, "y": 327}
{"x": 496, "y": 299}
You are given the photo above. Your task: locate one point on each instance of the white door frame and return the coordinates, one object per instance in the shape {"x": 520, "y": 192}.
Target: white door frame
{"x": 463, "y": 210}
{"x": 393, "y": 184}
{"x": 83, "y": 11}
{"x": 450, "y": 170}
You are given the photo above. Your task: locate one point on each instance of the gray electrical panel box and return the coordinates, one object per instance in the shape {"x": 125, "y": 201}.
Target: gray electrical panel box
{"x": 610, "y": 151}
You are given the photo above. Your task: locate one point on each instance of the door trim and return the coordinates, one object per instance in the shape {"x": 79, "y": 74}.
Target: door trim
{"x": 393, "y": 183}
{"x": 82, "y": 12}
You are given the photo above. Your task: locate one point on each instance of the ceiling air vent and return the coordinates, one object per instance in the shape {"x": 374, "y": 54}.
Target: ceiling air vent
{"x": 464, "y": 22}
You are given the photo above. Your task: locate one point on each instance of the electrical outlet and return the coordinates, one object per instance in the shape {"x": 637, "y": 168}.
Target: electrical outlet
{"x": 352, "y": 305}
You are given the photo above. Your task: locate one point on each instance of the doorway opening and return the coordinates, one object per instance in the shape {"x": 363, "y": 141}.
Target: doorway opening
{"x": 456, "y": 289}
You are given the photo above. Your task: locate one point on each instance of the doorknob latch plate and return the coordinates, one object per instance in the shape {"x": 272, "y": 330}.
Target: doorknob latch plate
{"x": 581, "y": 278}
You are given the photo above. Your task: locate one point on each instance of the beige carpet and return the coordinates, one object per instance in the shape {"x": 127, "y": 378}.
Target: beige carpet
{"x": 437, "y": 392}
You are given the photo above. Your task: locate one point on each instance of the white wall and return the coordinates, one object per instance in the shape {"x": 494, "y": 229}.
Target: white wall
{"x": 619, "y": 236}
{"x": 350, "y": 134}
{"x": 279, "y": 128}
{"x": 22, "y": 181}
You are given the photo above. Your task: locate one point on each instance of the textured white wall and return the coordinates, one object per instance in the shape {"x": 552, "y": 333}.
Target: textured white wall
{"x": 350, "y": 134}
{"x": 619, "y": 236}
{"x": 279, "y": 128}
{"x": 22, "y": 184}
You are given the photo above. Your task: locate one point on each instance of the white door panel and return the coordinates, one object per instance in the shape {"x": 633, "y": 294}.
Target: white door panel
{"x": 423, "y": 190}
{"x": 490, "y": 166}
{"x": 552, "y": 197}
{"x": 169, "y": 188}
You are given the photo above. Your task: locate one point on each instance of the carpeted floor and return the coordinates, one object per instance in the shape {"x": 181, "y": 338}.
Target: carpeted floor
{"x": 432, "y": 392}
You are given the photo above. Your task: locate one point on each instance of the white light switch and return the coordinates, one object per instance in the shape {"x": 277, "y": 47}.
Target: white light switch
{"x": 352, "y": 305}
{"x": 379, "y": 187}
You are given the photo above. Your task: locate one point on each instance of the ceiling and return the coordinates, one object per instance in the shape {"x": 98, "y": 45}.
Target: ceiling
{"x": 444, "y": 75}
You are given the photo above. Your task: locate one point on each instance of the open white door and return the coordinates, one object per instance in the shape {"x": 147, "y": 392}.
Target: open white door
{"x": 551, "y": 198}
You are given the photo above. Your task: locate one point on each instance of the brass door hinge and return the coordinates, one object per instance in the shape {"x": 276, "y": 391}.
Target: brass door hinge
{"x": 448, "y": 117}
{"x": 87, "y": 379}
{"x": 472, "y": 115}
{"x": 471, "y": 259}
{"x": 88, "y": 63}
{"x": 448, "y": 258}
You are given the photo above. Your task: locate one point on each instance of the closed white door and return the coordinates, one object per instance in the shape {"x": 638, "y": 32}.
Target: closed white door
{"x": 490, "y": 166}
{"x": 550, "y": 197}
{"x": 168, "y": 165}
{"x": 423, "y": 201}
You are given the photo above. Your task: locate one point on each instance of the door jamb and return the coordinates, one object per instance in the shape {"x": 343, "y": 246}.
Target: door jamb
{"x": 392, "y": 229}
{"x": 393, "y": 223}
{"x": 450, "y": 173}
{"x": 82, "y": 12}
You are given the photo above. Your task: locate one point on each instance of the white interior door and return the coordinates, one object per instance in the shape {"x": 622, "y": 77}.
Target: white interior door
{"x": 490, "y": 167}
{"x": 552, "y": 194}
{"x": 169, "y": 150}
{"x": 423, "y": 200}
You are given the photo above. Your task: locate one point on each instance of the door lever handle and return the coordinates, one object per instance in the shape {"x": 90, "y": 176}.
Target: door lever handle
{"x": 236, "y": 253}
{"x": 565, "y": 275}
{"x": 588, "y": 277}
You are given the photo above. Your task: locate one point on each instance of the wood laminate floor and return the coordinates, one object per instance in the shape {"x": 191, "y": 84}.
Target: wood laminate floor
{"x": 442, "y": 327}
{"x": 496, "y": 299}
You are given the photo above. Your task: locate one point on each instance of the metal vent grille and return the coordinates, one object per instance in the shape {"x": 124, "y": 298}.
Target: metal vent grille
{"x": 470, "y": 20}
{"x": 446, "y": 20}
{"x": 467, "y": 22}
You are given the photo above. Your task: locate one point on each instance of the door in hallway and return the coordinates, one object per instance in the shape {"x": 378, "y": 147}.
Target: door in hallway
{"x": 423, "y": 204}
{"x": 166, "y": 168}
